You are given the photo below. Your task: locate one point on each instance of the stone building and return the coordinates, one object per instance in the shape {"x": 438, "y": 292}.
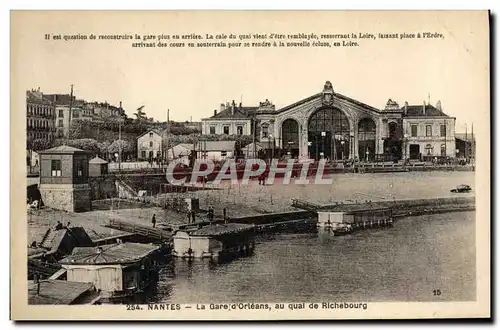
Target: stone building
{"x": 64, "y": 179}
{"x": 149, "y": 145}
{"x": 40, "y": 116}
{"x": 80, "y": 110}
{"x": 334, "y": 126}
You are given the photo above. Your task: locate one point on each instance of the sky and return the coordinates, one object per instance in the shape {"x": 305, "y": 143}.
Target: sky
{"x": 193, "y": 82}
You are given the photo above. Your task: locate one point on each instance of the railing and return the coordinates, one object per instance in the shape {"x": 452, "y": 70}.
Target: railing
{"x": 153, "y": 233}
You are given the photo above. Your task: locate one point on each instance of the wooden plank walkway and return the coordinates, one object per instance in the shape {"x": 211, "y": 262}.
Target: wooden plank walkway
{"x": 149, "y": 232}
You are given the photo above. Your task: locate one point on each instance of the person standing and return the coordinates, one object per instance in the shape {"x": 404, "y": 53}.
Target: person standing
{"x": 153, "y": 220}
{"x": 210, "y": 214}
{"x": 193, "y": 216}
{"x": 59, "y": 226}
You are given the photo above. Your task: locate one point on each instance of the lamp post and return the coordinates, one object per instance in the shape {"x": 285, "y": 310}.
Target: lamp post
{"x": 342, "y": 142}
{"x": 323, "y": 134}
{"x": 271, "y": 137}
{"x": 405, "y": 141}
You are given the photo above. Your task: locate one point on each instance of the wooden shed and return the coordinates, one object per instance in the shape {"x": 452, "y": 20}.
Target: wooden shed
{"x": 118, "y": 270}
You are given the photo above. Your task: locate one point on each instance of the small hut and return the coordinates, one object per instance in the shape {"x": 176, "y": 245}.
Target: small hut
{"x": 214, "y": 241}
{"x": 98, "y": 167}
{"x": 118, "y": 270}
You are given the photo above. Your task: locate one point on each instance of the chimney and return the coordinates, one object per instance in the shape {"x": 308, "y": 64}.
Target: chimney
{"x": 438, "y": 105}
{"x": 233, "y": 105}
{"x": 423, "y": 109}
{"x": 406, "y": 108}
{"x": 120, "y": 104}
{"x": 215, "y": 112}
{"x": 222, "y": 107}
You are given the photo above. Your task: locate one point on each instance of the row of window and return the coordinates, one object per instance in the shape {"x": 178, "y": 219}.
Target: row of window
{"x": 56, "y": 168}
{"x": 40, "y": 110}
{"x": 38, "y": 123}
{"x": 430, "y": 148}
{"x": 76, "y": 114}
{"x": 40, "y": 136}
{"x": 150, "y": 154}
{"x": 428, "y": 130}
{"x": 225, "y": 130}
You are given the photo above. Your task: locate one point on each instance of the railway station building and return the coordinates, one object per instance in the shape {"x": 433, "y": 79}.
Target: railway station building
{"x": 333, "y": 126}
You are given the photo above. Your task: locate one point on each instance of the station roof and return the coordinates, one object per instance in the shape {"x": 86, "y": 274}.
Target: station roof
{"x": 56, "y": 292}
{"x": 121, "y": 253}
{"x": 418, "y": 111}
{"x": 221, "y": 229}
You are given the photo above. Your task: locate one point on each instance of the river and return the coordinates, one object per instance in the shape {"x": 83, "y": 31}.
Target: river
{"x": 407, "y": 262}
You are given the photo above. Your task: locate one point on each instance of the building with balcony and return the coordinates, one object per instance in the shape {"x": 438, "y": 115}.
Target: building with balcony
{"x": 334, "y": 126}
{"x": 40, "y": 117}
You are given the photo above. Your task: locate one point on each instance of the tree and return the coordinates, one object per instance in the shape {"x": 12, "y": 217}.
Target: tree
{"x": 41, "y": 144}
{"x": 126, "y": 147}
{"x": 140, "y": 115}
{"x": 103, "y": 147}
{"x": 84, "y": 144}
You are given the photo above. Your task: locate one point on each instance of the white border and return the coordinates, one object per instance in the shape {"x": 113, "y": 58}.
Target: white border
{"x": 255, "y": 4}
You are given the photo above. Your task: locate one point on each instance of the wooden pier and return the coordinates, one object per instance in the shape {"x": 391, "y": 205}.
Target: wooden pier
{"x": 154, "y": 234}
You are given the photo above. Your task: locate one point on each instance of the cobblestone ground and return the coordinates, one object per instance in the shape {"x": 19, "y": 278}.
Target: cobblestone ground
{"x": 254, "y": 199}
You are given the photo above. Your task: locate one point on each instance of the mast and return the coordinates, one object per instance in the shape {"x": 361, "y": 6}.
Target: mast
{"x": 253, "y": 136}
{"x": 466, "y": 143}
{"x": 70, "y": 110}
{"x": 166, "y": 138}
{"x": 473, "y": 144}
{"x": 119, "y": 145}
{"x": 445, "y": 138}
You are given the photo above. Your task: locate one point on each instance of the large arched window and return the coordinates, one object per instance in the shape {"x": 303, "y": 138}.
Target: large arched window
{"x": 328, "y": 134}
{"x": 290, "y": 135}
{"x": 329, "y": 120}
{"x": 366, "y": 137}
{"x": 366, "y": 129}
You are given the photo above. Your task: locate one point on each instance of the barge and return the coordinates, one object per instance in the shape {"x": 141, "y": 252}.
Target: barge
{"x": 118, "y": 271}
{"x": 345, "y": 222}
{"x": 217, "y": 241}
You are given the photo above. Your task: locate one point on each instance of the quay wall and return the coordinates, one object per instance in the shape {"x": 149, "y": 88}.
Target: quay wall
{"x": 102, "y": 187}
{"x": 401, "y": 208}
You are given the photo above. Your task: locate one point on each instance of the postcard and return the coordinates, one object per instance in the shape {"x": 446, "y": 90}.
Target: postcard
{"x": 250, "y": 165}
